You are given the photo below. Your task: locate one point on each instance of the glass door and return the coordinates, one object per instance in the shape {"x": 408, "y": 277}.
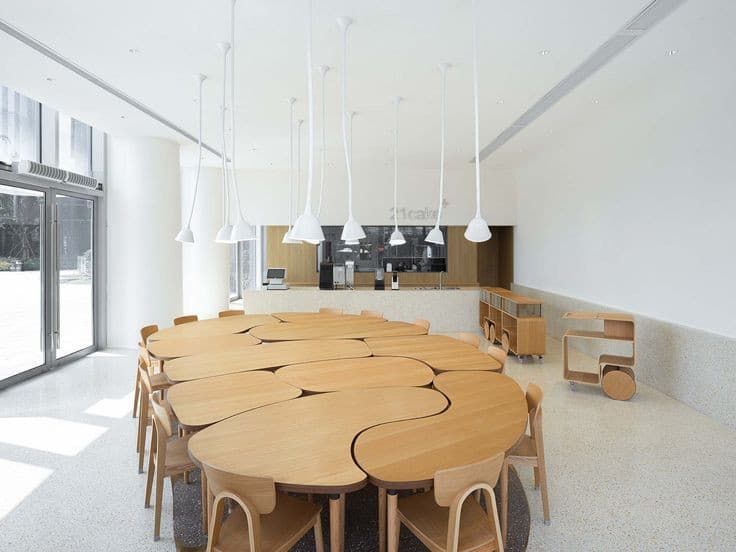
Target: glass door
{"x": 73, "y": 261}
{"x": 22, "y": 233}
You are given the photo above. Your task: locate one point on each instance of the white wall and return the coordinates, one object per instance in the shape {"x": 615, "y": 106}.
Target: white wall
{"x": 634, "y": 204}
{"x": 205, "y": 264}
{"x": 143, "y": 216}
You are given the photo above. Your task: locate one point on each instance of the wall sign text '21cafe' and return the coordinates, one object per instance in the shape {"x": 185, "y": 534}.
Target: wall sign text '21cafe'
{"x": 427, "y": 213}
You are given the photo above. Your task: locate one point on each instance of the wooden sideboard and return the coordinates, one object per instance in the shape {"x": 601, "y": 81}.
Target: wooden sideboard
{"x": 502, "y": 312}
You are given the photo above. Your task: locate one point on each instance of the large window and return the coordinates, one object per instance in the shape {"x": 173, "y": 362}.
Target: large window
{"x": 20, "y": 127}
{"x": 243, "y": 269}
{"x": 75, "y": 145}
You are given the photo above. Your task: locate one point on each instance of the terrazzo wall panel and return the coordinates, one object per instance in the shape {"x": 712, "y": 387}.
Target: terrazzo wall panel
{"x": 690, "y": 365}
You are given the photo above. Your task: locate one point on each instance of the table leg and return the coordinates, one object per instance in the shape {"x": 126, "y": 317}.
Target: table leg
{"x": 393, "y": 521}
{"x": 381, "y": 519}
{"x": 337, "y": 523}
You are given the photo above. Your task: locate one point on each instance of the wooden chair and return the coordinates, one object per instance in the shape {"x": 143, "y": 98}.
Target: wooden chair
{"x": 168, "y": 457}
{"x": 499, "y": 354}
{"x": 469, "y": 338}
{"x": 185, "y": 319}
{"x": 231, "y": 312}
{"x": 260, "y": 519}
{"x": 145, "y": 333}
{"x": 450, "y": 520}
{"x": 422, "y": 322}
{"x": 529, "y": 452}
{"x": 371, "y": 313}
{"x": 327, "y": 310}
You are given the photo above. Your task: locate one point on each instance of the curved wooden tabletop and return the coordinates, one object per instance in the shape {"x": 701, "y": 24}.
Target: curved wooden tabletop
{"x": 207, "y": 401}
{"x": 360, "y": 373}
{"x": 305, "y": 444}
{"x": 487, "y": 415}
{"x": 441, "y": 352}
{"x": 268, "y": 355}
{"x": 315, "y": 316}
{"x": 335, "y": 328}
{"x": 214, "y": 326}
{"x": 167, "y": 349}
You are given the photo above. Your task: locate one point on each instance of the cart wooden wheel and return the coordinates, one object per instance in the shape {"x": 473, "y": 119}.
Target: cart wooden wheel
{"x": 618, "y": 382}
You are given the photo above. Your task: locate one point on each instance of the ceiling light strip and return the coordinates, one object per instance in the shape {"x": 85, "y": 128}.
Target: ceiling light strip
{"x": 650, "y": 15}
{"x": 97, "y": 81}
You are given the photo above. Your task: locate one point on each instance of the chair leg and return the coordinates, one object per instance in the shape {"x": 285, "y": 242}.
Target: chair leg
{"x": 543, "y": 485}
{"x": 394, "y": 525}
{"x": 504, "y": 499}
{"x": 203, "y": 482}
{"x": 136, "y": 393}
{"x": 151, "y": 467}
{"x": 319, "y": 543}
{"x": 381, "y": 519}
{"x": 142, "y": 426}
{"x": 159, "y": 501}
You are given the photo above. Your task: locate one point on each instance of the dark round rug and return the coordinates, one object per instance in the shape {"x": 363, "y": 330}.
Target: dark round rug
{"x": 361, "y": 523}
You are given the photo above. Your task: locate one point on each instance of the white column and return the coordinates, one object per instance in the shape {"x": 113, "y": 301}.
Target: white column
{"x": 143, "y": 216}
{"x": 205, "y": 264}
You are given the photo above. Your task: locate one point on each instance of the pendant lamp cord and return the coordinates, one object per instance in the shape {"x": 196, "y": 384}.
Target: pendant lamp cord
{"x": 310, "y": 94}
{"x": 199, "y": 155}
{"x": 477, "y": 115}
{"x": 234, "y": 178}
{"x": 291, "y": 160}
{"x": 225, "y": 186}
{"x": 396, "y": 165}
{"x": 443, "y": 68}
{"x": 323, "y": 148}
{"x": 348, "y": 154}
{"x": 299, "y": 124}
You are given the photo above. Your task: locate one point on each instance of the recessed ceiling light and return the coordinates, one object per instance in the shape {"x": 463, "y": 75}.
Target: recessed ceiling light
{"x": 673, "y": 52}
{"x": 544, "y": 52}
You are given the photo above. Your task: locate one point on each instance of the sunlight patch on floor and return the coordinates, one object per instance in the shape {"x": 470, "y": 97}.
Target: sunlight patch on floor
{"x": 17, "y": 481}
{"x": 49, "y": 434}
{"x": 112, "y": 408}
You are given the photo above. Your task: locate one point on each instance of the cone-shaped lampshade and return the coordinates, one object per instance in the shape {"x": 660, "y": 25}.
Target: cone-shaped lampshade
{"x": 397, "y": 238}
{"x": 224, "y": 234}
{"x": 288, "y": 239}
{"x": 312, "y": 242}
{"x": 435, "y": 236}
{"x": 477, "y": 230}
{"x": 352, "y": 230}
{"x": 307, "y": 227}
{"x": 242, "y": 231}
{"x": 185, "y": 235}
{"x": 352, "y": 242}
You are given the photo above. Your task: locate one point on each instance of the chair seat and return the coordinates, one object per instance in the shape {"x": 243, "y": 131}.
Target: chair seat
{"x": 159, "y": 381}
{"x": 526, "y": 448}
{"x": 280, "y": 530}
{"x": 177, "y": 455}
{"x": 428, "y": 522}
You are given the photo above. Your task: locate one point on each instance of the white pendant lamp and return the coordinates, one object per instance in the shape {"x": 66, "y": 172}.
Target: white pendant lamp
{"x": 186, "y": 235}
{"x": 352, "y": 229}
{"x": 397, "y": 238}
{"x": 351, "y": 116}
{"x": 477, "y": 230}
{"x": 287, "y": 236}
{"x": 435, "y": 235}
{"x": 242, "y": 231}
{"x": 307, "y": 226}
{"x": 225, "y": 231}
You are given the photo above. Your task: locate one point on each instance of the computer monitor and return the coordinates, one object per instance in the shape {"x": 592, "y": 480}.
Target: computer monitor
{"x": 275, "y": 275}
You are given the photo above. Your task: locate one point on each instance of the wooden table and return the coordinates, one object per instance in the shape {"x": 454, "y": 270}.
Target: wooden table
{"x": 214, "y": 326}
{"x": 167, "y": 349}
{"x": 314, "y": 316}
{"x": 266, "y": 356}
{"x": 487, "y": 415}
{"x": 440, "y": 352}
{"x": 305, "y": 444}
{"x": 207, "y": 401}
{"x": 335, "y": 328}
{"x": 363, "y": 373}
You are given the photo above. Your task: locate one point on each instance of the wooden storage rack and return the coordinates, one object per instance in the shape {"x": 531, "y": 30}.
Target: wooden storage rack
{"x": 615, "y": 372}
{"x": 520, "y": 318}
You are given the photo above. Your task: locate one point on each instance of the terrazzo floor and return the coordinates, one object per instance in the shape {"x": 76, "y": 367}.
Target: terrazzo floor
{"x": 648, "y": 474}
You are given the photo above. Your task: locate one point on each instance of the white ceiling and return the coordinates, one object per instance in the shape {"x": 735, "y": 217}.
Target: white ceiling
{"x": 394, "y": 49}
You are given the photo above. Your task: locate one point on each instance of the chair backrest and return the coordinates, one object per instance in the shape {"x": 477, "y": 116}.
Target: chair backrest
{"x": 231, "y": 312}
{"x": 469, "y": 338}
{"x": 499, "y": 354}
{"x": 161, "y": 415}
{"x": 328, "y": 310}
{"x": 146, "y": 332}
{"x": 258, "y": 491}
{"x": 422, "y": 322}
{"x": 185, "y": 319}
{"x": 505, "y": 342}
{"x": 451, "y": 482}
{"x": 534, "y": 396}
{"x": 371, "y": 313}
